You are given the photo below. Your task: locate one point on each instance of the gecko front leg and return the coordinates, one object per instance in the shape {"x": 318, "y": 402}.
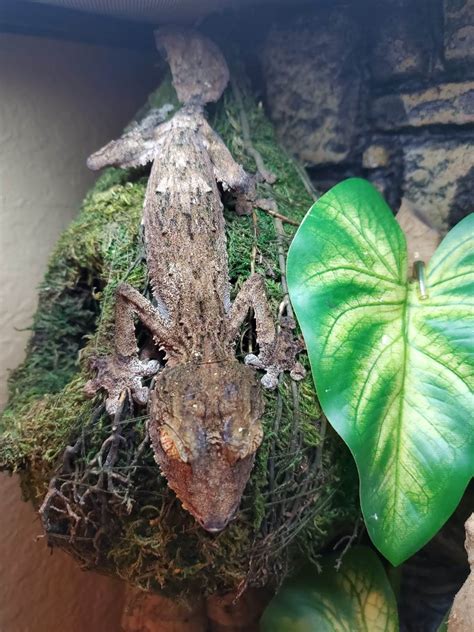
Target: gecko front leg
{"x": 124, "y": 371}
{"x": 227, "y": 171}
{"x": 137, "y": 146}
{"x": 277, "y": 350}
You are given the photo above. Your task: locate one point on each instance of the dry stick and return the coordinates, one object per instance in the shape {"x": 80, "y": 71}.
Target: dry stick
{"x": 322, "y": 436}
{"x": 302, "y": 494}
{"x": 282, "y": 262}
{"x": 278, "y": 215}
{"x": 313, "y": 193}
{"x": 248, "y": 145}
{"x": 69, "y": 454}
{"x": 267, "y": 175}
{"x": 285, "y": 535}
{"x": 350, "y": 540}
{"x": 134, "y": 466}
{"x": 281, "y": 237}
{"x": 253, "y": 259}
{"x": 278, "y": 219}
{"x": 254, "y": 245}
{"x": 289, "y": 310}
{"x": 71, "y": 490}
{"x": 302, "y": 524}
{"x": 271, "y": 458}
{"x": 308, "y": 185}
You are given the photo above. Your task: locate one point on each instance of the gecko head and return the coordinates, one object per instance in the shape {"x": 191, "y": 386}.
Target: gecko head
{"x": 205, "y": 429}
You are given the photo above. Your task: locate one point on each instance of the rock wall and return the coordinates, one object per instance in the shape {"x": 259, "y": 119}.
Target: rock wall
{"x": 383, "y": 90}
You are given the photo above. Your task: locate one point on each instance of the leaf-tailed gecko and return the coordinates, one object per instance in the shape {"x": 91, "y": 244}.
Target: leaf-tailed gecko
{"x": 204, "y": 405}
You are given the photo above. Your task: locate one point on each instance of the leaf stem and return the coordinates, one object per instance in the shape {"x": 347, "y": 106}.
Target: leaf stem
{"x": 421, "y": 279}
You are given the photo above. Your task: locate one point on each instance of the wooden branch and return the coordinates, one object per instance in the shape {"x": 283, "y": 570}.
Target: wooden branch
{"x": 461, "y": 618}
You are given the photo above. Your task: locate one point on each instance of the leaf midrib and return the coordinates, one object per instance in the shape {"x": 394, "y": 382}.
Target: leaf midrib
{"x": 405, "y": 326}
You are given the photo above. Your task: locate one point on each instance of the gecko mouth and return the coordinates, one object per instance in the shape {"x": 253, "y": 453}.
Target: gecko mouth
{"x": 214, "y": 526}
{"x": 213, "y": 529}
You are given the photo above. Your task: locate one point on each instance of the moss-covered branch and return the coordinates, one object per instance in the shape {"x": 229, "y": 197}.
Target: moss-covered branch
{"x": 114, "y": 511}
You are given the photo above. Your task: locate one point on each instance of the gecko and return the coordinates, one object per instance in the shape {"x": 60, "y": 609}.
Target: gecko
{"x": 204, "y": 406}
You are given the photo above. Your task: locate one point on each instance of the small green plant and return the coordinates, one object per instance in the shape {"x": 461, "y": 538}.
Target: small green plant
{"x": 355, "y": 597}
{"x": 391, "y": 358}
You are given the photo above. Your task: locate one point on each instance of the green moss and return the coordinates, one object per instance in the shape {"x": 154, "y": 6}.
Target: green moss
{"x": 108, "y": 504}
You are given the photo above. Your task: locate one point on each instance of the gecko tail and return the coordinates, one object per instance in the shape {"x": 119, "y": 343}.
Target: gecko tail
{"x": 200, "y": 72}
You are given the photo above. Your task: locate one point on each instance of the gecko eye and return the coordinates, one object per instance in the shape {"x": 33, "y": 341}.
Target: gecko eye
{"x": 194, "y": 407}
{"x": 169, "y": 446}
{"x": 243, "y": 442}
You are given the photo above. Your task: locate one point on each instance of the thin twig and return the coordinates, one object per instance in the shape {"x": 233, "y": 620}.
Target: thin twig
{"x": 266, "y": 175}
{"x": 308, "y": 185}
{"x": 350, "y": 539}
{"x": 279, "y": 216}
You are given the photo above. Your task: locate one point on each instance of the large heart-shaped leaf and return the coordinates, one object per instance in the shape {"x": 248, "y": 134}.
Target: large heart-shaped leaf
{"x": 356, "y": 597}
{"x": 393, "y": 372}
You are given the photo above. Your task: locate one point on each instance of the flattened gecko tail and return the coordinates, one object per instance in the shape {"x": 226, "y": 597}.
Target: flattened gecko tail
{"x": 200, "y": 72}
{"x": 99, "y": 159}
{"x": 113, "y": 153}
{"x": 92, "y": 163}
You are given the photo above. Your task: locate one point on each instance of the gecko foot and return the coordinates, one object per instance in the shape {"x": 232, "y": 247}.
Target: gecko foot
{"x": 116, "y": 374}
{"x": 279, "y": 356}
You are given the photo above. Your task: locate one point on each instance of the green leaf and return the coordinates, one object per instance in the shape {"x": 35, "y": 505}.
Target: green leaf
{"x": 356, "y": 598}
{"x": 394, "y": 373}
{"x": 443, "y": 626}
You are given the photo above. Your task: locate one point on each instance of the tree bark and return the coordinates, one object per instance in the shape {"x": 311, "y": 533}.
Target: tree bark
{"x": 461, "y": 618}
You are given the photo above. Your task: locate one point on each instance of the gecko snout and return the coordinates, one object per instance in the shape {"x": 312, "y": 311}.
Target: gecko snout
{"x": 216, "y": 524}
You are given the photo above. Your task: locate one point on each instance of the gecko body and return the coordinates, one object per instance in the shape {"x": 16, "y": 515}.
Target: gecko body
{"x": 204, "y": 405}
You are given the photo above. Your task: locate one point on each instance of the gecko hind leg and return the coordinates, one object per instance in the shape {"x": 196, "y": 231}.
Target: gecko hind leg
{"x": 278, "y": 350}
{"x": 123, "y": 371}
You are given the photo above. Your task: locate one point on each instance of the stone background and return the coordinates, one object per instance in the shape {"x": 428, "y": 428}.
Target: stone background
{"x": 383, "y": 90}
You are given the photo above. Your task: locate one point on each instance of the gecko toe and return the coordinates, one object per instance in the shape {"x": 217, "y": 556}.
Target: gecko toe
{"x": 150, "y": 368}
{"x": 112, "y": 404}
{"x": 270, "y": 379}
{"x": 140, "y": 395}
{"x": 298, "y": 372}
{"x": 252, "y": 360}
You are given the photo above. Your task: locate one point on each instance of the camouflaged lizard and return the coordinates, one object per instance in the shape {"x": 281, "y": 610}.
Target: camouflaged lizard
{"x": 204, "y": 405}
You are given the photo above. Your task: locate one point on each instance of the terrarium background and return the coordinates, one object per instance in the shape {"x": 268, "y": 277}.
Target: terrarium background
{"x": 381, "y": 89}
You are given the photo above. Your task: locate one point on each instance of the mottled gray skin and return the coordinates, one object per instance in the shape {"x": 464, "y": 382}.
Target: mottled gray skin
{"x": 204, "y": 405}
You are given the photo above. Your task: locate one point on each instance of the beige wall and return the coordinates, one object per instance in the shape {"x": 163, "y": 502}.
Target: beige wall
{"x": 58, "y": 102}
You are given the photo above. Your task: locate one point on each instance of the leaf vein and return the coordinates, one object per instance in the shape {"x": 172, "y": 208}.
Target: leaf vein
{"x": 386, "y": 348}
{"x": 362, "y": 234}
{"x": 438, "y": 361}
{"x": 352, "y": 309}
{"x": 358, "y": 270}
